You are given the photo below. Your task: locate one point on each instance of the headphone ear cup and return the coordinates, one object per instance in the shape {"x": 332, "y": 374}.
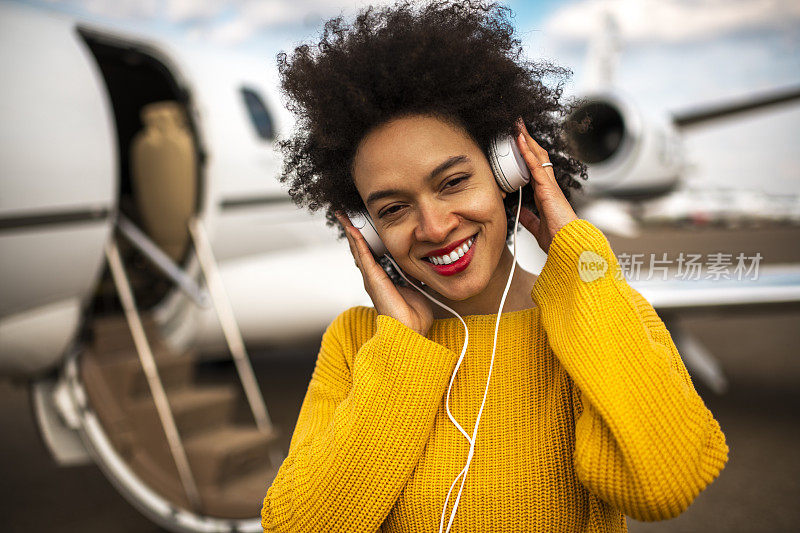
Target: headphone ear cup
{"x": 363, "y": 222}
{"x": 508, "y": 166}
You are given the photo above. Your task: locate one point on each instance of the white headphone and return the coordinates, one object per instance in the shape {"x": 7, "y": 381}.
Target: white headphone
{"x": 511, "y": 173}
{"x": 509, "y": 169}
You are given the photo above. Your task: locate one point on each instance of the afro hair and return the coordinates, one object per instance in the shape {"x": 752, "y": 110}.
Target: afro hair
{"x": 456, "y": 60}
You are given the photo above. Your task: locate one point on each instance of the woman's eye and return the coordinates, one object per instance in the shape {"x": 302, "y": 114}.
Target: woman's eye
{"x": 392, "y": 209}
{"x": 455, "y": 181}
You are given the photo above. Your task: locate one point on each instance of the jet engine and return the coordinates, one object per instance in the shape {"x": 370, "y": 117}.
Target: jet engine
{"x": 629, "y": 154}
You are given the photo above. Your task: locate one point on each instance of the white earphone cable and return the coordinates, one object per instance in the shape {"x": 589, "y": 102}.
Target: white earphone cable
{"x": 463, "y": 349}
{"x": 472, "y": 439}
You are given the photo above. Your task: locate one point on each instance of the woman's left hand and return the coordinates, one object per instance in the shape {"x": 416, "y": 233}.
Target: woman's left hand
{"x": 554, "y": 209}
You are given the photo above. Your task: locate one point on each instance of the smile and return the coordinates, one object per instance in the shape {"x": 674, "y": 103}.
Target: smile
{"x": 455, "y": 261}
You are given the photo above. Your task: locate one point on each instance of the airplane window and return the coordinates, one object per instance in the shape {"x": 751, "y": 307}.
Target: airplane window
{"x": 261, "y": 118}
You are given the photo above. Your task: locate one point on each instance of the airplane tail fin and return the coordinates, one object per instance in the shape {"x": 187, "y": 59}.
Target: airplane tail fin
{"x": 602, "y": 54}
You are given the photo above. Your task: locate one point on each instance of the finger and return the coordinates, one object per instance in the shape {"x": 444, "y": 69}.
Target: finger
{"x": 343, "y": 219}
{"x": 369, "y": 266}
{"x": 351, "y": 242}
{"x": 383, "y": 292}
{"x": 529, "y": 221}
{"x": 379, "y": 286}
{"x": 540, "y": 174}
{"x": 541, "y": 153}
{"x": 533, "y": 147}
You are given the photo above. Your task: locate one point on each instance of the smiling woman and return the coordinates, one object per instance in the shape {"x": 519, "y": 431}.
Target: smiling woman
{"x": 429, "y": 188}
{"x": 586, "y": 411}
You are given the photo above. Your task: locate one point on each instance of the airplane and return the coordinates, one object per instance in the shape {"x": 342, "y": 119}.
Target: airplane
{"x": 140, "y": 224}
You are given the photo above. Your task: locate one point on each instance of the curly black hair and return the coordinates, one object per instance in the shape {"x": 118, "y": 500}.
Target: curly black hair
{"x": 455, "y": 60}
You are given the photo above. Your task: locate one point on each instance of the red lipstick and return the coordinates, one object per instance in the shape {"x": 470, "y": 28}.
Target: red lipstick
{"x": 460, "y": 264}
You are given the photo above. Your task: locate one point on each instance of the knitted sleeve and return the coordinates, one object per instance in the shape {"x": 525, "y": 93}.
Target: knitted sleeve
{"x": 365, "y": 419}
{"x": 645, "y": 442}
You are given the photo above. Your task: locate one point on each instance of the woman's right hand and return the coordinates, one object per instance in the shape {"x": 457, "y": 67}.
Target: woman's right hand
{"x": 404, "y": 304}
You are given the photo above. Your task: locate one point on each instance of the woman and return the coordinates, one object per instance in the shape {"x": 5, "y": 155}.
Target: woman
{"x": 590, "y": 414}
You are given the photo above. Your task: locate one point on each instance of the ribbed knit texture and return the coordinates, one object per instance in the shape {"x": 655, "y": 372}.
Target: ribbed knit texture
{"x": 590, "y": 416}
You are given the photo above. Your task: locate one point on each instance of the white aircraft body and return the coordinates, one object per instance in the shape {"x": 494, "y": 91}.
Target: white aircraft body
{"x": 97, "y": 127}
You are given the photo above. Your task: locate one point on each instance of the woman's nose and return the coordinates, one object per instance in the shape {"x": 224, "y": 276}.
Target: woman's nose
{"x": 435, "y": 223}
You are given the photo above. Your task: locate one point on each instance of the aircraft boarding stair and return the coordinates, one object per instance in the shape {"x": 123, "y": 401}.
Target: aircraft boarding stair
{"x": 191, "y": 446}
{"x": 229, "y": 457}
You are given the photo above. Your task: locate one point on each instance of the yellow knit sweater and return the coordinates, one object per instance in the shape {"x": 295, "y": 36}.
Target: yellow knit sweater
{"x": 590, "y": 416}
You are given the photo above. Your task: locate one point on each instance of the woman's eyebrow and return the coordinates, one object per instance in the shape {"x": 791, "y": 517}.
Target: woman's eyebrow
{"x": 447, "y": 163}
{"x": 444, "y": 165}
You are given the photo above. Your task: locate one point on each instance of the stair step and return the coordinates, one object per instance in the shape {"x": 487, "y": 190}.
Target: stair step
{"x": 112, "y": 333}
{"x": 127, "y": 377}
{"x": 232, "y": 462}
{"x": 195, "y": 409}
{"x": 240, "y": 498}
{"x": 198, "y": 409}
{"x": 227, "y": 453}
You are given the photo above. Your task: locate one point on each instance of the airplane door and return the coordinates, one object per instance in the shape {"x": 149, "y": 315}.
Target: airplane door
{"x": 58, "y": 184}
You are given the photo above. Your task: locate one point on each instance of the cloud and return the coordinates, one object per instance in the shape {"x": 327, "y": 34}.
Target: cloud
{"x": 115, "y": 9}
{"x": 253, "y": 16}
{"x": 192, "y": 10}
{"x": 673, "y": 21}
{"x": 172, "y": 10}
{"x": 669, "y": 21}
{"x": 230, "y": 22}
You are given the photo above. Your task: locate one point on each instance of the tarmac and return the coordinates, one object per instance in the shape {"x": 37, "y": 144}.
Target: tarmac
{"x": 759, "y": 350}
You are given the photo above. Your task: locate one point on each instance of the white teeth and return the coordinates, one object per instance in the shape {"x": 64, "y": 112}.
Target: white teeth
{"x": 453, "y": 256}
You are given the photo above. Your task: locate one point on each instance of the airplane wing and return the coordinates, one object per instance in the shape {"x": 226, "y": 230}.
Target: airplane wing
{"x": 699, "y": 115}
{"x": 775, "y": 284}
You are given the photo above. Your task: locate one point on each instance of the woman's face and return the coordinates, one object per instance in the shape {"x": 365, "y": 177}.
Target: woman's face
{"x": 430, "y": 190}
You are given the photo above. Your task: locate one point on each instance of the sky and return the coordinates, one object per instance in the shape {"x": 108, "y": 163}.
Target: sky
{"x": 674, "y": 54}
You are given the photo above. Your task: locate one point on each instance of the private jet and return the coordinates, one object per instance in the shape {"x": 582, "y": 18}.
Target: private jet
{"x": 141, "y": 226}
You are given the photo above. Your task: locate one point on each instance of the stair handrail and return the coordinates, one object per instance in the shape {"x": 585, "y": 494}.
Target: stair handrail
{"x": 150, "y": 369}
{"x": 230, "y": 328}
{"x": 161, "y": 261}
